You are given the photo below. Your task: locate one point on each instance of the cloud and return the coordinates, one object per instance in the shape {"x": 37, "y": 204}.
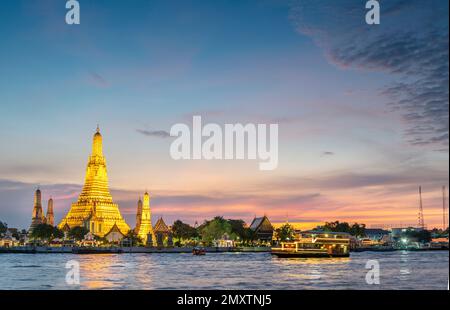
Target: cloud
{"x": 230, "y": 199}
{"x": 154, "y": 133}
{"x": 16, "y": 200}
{"x": 29, "y": 169}
{"x": 98, "y": 80}
{"x": 389, "y": 195}
{"x": 327, "y": 153}
{"x": 409, "y": 178}
{"x": 410, "y": 44}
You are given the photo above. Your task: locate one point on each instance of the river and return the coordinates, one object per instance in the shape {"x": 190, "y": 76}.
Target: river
{"x": 398, "y": 270}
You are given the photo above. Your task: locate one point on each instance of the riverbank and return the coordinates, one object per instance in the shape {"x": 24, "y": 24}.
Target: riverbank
{"x": 119, "y": 250}
{"x": 171, "y": 250}
{"x": 391, "y": 249}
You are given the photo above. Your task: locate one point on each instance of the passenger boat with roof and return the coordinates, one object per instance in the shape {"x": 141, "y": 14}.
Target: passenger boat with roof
{"x": 315, "y": 244}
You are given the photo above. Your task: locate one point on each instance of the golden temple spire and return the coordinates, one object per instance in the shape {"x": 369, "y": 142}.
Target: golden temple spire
{"x": 95, "y": 208}
{"x": 144, "y": 219}
{"x": 96, "y": 182}
{"x": 97, "y": 147}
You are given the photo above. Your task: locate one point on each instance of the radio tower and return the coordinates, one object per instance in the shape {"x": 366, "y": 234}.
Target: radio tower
{"x": 421, "y": 220}
{"x": 443, "y": 209}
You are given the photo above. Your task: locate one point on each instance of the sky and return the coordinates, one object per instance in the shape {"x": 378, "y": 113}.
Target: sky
{"x": 362, "y": 109}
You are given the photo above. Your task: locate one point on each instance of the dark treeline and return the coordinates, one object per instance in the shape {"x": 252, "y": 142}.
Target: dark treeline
{"x": 211, "y": 230}
{"x": 357, "y": 230}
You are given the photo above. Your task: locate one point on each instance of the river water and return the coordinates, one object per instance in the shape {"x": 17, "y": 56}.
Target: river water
{"x": 398, "y": 270}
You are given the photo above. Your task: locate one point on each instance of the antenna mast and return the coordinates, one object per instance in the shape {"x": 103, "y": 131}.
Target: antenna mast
{"x": 443, "y": 209}
{"x": 421, "y": 220}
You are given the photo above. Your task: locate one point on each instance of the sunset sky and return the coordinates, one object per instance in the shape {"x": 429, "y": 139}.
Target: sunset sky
{"x": 362, "y": 110}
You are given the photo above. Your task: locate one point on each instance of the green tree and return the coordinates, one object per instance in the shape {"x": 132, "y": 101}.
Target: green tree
{"x": 238, "y": 228}
{"x": 57, "y": 233}
{"x": 133, "y": 238}
{"x": 16, "y": 235}
{"x": 422, "y": 236}
{"x": 336, "y": 227}
{"x": 358, "y": 230}
{"x": 78, "y": 233}
{"x": 249, "y": 236}
{"x": 43, "y": 232}
{"x": 215, "y": 229}
{"x": 285, "y": 232}
{"x": 183, "y": 231}
{"x": 3, "y": 228}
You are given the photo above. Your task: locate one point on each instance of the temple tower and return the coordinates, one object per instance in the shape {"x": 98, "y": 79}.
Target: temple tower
{"x": 144, "y": 219}
{"x": 95, "y": 208}
{"x": 37, "y": 217}
{"x": 138, "y": 216}
{"x": 50, "y": 218}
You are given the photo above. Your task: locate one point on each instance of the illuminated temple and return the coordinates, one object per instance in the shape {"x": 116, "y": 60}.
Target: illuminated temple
{"x": 38, "y": 214}
{"x": 144, "y": 227}
{"x": 95, "y": 208}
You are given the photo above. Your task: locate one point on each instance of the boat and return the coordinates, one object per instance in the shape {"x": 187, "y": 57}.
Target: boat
{"x": 198, "y": 251}
{"x": 315, "y": 244}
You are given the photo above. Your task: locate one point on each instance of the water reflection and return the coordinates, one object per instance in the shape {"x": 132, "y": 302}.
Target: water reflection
{"x": 416, "y": 270}
{"x": 404, "y": 266}
{"x": 101, "y": 271}
{"x": 312, "y": 261}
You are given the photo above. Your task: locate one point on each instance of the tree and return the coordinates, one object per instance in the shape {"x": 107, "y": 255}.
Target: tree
{"x": 249, "y": 235}
{"x": 336, "y": 227}
{"x": 57, "y": 233}
{"x": 43, "y": 232}
{"x": 422, "y": 236}
{"x": 215, "y": 229}
{"x": 238, "y": 228}
{"x": 355, "y": 229}
{"x": 245, "y": 234}
{"x": 16, "y": 235}
{"x": 358, "y": 230}
{"x": 133, "y": 238}
{"x": 183, "y": 231}
{"x": 285, "y": 232}
{"x": 78, "y": 233}
{"x": 3, "y": 228}
{"x": 438, "y": 233}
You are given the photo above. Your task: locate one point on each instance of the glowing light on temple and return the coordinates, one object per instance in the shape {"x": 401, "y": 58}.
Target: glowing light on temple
{"x": 144, "y": 227}
{"x": 95, "y": 208}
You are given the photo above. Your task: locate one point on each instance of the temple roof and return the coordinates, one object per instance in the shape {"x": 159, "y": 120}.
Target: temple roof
{"x": 160, "y": 226}
{"x": 114, "y": 229}
{"x": 261, "y": 223}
